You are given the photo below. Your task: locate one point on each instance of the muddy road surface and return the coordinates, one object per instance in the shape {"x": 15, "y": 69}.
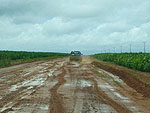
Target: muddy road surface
{"x": 63, "y": 86}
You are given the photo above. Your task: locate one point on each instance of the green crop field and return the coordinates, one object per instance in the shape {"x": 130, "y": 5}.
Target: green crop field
{"x": 136, "y": 61}
{"x": 8, "y": 58}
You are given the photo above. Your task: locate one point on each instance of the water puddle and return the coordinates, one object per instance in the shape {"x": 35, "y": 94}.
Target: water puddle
{"x": 26, "y": 74}
{"x": 13, "y": 88}
{"x": 112, "y": 92}
{"x": 51, "y": 83}
{"x": 38, "y": 81}
{"x": 7, "y": 106}
{"x": 51, "y": 72}
{"x": 28, "y": 108}
{"x": 134, "y": 109}
{"x": 75, "y": 65}
{"x": 104, "y": 108}
{"x": 44, "y": 107}
{"x": 85, "y": 83}
{"x": 54, "y": 72}
{"x": 115, "y": 78}
{"x": 107, "y": 86}
{"x": 62, "y": 63}
{"x": 43, "y": 70}
{"x": 123, "y": 98}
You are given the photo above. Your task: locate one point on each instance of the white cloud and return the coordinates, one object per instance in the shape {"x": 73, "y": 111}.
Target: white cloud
{"x": 62, "y": 25}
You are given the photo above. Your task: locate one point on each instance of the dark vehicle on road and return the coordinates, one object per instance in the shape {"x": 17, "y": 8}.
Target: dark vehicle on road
{"x": 75, "y": 53}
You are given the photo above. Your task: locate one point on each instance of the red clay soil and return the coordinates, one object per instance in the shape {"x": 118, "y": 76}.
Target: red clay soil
{"x": 127, "y": 77}
{"x": 56, "y": 101}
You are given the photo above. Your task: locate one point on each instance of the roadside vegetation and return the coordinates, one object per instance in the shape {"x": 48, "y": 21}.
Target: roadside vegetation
{"x": 8, "y": 58}
{"x": 136, "y": 61}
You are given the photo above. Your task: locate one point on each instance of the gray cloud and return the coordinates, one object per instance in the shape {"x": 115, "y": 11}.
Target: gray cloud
{"x": 62, "y": 25}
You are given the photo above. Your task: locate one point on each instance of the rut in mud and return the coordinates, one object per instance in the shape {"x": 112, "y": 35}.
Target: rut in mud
{"x": 56, "y": 101}
{"x": 119, "y": 108}
{"x": 132, "y": 81}
{"x": 63, "y": 86}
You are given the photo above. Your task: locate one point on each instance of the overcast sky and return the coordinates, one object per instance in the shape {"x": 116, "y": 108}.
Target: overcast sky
{"x": 90, "y": 26}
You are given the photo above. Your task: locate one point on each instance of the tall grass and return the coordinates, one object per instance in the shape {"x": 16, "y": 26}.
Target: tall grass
{"x": 8, "y": 58}
{"x": 137, "y": 61}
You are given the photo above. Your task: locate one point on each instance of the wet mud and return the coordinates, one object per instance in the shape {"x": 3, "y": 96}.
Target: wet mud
{"x": 64, "y": 86}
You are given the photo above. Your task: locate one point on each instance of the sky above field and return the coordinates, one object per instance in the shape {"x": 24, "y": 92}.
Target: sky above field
{"x": 91, "y": 26}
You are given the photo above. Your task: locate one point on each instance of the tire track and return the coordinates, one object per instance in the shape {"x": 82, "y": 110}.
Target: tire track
{"x": 15, "y": 96}
{"x": 56, "y": 102}
{"x": 119, "y": 108}
{"x": 68, "y": 87}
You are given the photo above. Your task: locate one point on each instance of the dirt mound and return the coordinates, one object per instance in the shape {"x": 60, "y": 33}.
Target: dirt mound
{"x": 127, "y": 77}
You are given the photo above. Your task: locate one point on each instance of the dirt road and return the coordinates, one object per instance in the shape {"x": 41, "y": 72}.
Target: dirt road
{"x": 61, "y": 86}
